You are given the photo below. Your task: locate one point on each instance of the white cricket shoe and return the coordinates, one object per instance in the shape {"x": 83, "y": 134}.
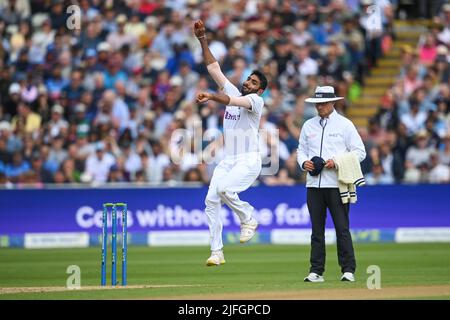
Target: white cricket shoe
{"x": 348, "y": 276}
{"x": 216, "y": 258}
{"x": 248, "y": 230}
{"x": 314, "y": 277}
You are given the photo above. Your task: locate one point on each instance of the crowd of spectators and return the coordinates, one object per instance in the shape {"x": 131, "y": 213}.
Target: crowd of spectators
{"x": 409, "y": 139}
{"x": 103, "y": 101}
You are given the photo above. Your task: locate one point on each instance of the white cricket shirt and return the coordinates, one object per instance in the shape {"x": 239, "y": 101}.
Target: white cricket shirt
{"x": 327, "y": 138}
{"x": 241, "y": 125}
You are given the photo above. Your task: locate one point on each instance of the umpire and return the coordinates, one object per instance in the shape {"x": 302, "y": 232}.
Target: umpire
{"x": 322, "y": 138}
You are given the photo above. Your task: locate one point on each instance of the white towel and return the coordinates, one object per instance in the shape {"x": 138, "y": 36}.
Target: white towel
{"x": 349, "y": 176}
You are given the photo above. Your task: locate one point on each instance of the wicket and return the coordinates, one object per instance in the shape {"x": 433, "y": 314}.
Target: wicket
{"x": 114, "y": 206}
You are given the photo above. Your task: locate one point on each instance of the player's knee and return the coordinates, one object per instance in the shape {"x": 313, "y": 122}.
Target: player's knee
{"x": 222, "y": 189}
{"x": 212, "y": 200}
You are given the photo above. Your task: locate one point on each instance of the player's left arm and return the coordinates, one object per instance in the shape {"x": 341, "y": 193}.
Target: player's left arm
{"x": 247, "y": 102}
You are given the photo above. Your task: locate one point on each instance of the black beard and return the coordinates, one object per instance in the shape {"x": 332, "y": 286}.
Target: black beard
{"x": 245, "y": 91}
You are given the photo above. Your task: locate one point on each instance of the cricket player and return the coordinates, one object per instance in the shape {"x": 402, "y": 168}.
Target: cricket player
{"x": 242, "y": 163}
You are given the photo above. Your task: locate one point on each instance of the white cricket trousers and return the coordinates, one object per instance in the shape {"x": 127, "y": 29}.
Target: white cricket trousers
{"x": 231, "y": 176}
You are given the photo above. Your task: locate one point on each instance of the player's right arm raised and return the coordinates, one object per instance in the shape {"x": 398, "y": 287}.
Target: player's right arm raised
{"x": 211, "y": 63}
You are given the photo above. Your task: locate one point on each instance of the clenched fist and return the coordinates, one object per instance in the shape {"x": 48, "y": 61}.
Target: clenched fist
{"x": 199, "y": 29}
{"x": 202, "y": 97}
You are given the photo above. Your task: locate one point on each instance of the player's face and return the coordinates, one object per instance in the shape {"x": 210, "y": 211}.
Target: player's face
{"x": 251, "y": 85}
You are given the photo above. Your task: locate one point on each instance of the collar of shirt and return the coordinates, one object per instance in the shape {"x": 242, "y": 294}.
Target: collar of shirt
{"x": 325, "y": 120}
{"x": 332, "y": 115}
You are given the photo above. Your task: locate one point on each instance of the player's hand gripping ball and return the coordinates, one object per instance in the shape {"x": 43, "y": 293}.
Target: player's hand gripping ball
{"x": 199, "y": 29}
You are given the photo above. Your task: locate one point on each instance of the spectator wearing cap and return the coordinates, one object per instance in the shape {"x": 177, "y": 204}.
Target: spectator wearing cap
{"x": 84, "y": 147}
{"x": 57, "y": 124}
{"x": 444, "y": 34}
{"x": 13, "y": 141}
{"x": 151, "y": 31}
{"x": 409, "y": 56}
{"x": 120, "y": 37}
{"x": 12, "y": 100}
{"x": 117, "y": 175}
{"x": 99, "y": 164}
{"x": 103, "y": 52}
{"x": 57, "y": 152}
{"x": 90, "y": 67}
{"x": 420, "y": 152}
{"x": 42, "y": 39}
{"x": 79, "y": 117}
{"x": 439, "y": 172}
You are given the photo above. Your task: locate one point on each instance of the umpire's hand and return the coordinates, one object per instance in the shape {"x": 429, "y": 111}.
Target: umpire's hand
{"x": 308, "y": 165}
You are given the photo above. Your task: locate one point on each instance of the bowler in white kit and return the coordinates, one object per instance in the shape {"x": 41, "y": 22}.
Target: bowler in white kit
{"x": 242, "y": 163}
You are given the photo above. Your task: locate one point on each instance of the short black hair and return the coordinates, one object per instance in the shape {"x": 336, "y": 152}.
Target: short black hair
{"x": 262, "y": 79}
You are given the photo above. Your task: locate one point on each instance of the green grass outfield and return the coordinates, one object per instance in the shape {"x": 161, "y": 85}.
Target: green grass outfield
{"x": 261, "y": 271}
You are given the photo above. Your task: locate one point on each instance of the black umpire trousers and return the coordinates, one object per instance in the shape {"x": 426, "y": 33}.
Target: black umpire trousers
{"x": 318, "y": 200}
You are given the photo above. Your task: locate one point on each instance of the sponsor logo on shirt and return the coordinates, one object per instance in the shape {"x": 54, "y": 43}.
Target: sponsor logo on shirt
{"x": 334, "y": 135}
{"x": 229, "y": 116}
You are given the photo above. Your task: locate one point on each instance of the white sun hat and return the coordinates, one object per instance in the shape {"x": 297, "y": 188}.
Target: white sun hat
{"x": 323, "y": 94}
